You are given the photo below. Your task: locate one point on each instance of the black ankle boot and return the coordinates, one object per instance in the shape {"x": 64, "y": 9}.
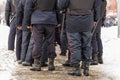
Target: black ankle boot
{"x": 25, "y": 63}
{"x": 82, "y": 66}
{"x": 20, "y": 62}
{"x": 44, "y": 64}
{"x": 94, "y": 59}
{"x": 86, "y": 69}
{"x": 36, "y": 65}
{"x": 67, "y": 63}
{"x": 100, "y": 59}
{"x": 51, "y": 66}
{"x": 75, "y": 71}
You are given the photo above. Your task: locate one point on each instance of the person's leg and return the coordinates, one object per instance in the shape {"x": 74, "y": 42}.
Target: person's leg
{"x": 29, "y": 58}
{"x": 18, "y": 45}
{"x": 57, "y": 36}
{"x": 86, "y": 51}
{"x": 25, "y": 42}
{"x": 67, "y": 62}
{"x": 64, "y": 42}
{"x": 38, "y": 32}
{"x": 50, "y": 38}
{"x": 100, "y": 48}
{"x": 11, "y": 37}
{"x": 94, "y": 44}
{"x": 74, "y": 41}
{"x": 44, "y": 57}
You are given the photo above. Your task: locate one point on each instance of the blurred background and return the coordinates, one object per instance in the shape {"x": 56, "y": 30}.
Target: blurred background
{"x": 2, "y": 8}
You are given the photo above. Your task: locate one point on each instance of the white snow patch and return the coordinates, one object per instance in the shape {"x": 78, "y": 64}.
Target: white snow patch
{"x": 4, "y": 31}
{"x": 111, "y": 54}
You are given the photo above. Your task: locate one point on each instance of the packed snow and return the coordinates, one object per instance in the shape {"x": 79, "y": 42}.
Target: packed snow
{"x": 111, "y": 53}
{"x": 111, "y": 44}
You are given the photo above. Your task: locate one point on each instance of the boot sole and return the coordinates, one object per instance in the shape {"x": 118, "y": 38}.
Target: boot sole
{"x": 51, "y": 69}
{"x": 66, "y": 65}
{"x": 100, "y": 62}
{"x": 94, "y": 64}
{"x": 74, "y": 74}
{"x": 27, "y": 64}
{"x": 34, "y": 70}
{"x": 86, "y": 74}
{"x": 44, "y": 65}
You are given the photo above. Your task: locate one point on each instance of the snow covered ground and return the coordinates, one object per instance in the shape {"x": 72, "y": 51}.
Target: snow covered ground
{"x": 111, "y": 53}
{"x": 4, "y": 31}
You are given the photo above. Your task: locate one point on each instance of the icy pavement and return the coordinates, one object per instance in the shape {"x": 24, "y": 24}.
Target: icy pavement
{"x": 111, "y": 52}
{"x": 4, "y": 30}
{"x": 10, "y": 70}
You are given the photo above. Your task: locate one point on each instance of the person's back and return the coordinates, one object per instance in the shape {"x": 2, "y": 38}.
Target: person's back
{"x": 44, "y": 8}
{"x": 43, "y": 19}
{"x": 79, "y": 23}
{"x": 77, "y": 7}
{"x": 82, "y": 11}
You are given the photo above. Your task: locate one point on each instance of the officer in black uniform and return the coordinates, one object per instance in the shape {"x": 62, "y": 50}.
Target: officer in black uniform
{"x": 79, "y": 23}
{"x": 26, "y": 33}
{"x": 10, "y": 14}
{"x": 42, "y": 15}
{"x": 27, "y": 40}
{"x": 60, "y": 35}
{"x": 97, "y": 47}
{"x": 10, "y": 17}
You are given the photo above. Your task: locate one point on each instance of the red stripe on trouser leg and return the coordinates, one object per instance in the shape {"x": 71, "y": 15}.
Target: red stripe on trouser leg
{"x": 70, "y": 46}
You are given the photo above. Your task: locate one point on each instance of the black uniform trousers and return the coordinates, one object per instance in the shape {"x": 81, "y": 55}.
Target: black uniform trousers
{"x": 47, "y": 32}
{"x": 57, "y": 36}
{"x": 97, "y": 46}
{"x": 12, "y": 34}
{"x": 63, "y": 42}
{"x": 44, "y": 57}
{"x": 80, "y": 46}
{"x": 29, "y": 57}
{"x": 18, "y": 44}
{"x": 26, "y": 34}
